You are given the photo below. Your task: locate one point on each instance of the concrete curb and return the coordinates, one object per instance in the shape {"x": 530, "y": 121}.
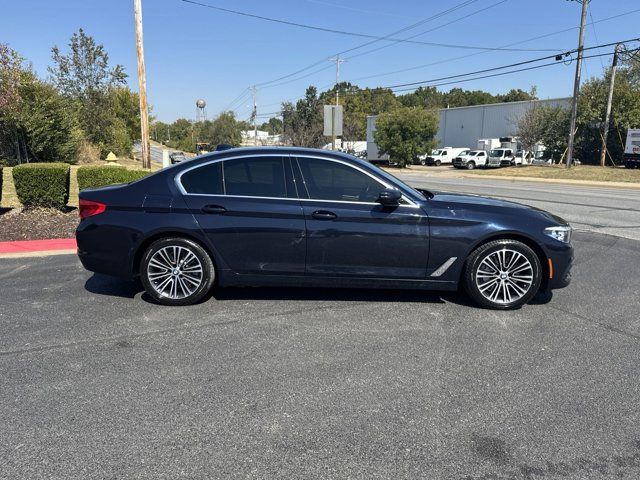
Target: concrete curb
{"x": 28, "y": 248}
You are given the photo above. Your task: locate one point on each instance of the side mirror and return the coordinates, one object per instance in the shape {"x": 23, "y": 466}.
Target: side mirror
{"x": 389, "y": 197}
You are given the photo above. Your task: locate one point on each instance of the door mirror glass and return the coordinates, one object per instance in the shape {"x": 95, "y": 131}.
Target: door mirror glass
{"x": 389, "y": 196}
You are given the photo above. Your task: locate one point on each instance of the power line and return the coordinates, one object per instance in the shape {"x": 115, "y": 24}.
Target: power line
{"x": 440, "y": 62}
{"x": 352, "y": 34}
{"x": 517, "y": 64}
{"x": 386, "y": 37}
{"x": 430, "y": 30}
{"x": 495, "y": 74}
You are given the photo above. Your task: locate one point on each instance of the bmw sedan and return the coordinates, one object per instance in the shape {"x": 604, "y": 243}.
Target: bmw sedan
{"x": 304, "y": 217}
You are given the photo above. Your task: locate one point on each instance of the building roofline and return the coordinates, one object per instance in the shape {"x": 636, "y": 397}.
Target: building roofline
{"x": 508, "y": 103}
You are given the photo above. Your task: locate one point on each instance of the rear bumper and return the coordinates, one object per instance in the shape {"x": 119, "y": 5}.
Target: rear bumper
{"x": 104, "y": 249}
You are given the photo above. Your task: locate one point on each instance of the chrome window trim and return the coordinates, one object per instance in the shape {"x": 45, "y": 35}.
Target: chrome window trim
{"x": 178, "y": 182}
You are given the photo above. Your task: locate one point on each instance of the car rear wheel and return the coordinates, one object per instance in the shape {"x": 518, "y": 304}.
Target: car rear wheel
{"x": 437, "y": 162}
{"x": 502, "y": 275}
{"x": 176, "y": 271}
{"x": 471, "y": 166}
{"x": 423, "y": 162}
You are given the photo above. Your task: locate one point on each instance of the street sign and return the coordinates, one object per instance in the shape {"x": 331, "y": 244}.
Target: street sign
{"x": 332, "y": 120}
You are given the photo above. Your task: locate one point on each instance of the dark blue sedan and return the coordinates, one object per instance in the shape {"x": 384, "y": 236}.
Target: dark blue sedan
{"x": 302, "y": 217}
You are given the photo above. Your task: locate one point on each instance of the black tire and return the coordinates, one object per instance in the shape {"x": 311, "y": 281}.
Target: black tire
{"x": 423, "y": 162}
{"x": 471, "y": 165}
{"x": 477, "y": 276}
{"x": 438, "y": 163}
{"x": 187, "y": 279}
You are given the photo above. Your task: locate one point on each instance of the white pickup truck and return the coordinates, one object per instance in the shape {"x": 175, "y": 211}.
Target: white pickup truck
{"x": 441, "y": 156}
{"x": 471, "y": 159}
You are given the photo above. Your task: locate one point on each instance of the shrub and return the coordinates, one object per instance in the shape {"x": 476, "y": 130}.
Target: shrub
{"x": 88, "y": 153}
{"x": 42, "y": 184}
{"x": 94, "y": 177}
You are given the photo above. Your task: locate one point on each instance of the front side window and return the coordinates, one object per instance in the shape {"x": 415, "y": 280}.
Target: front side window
{"x": 327, "y": 180}
{"x": 256, "y": 177}
{"x": 205, "y": 180}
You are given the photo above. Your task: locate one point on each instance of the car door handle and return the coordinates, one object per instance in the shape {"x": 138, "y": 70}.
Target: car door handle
{"x": 214, "y": 209}
{"x": 323, "y": 215}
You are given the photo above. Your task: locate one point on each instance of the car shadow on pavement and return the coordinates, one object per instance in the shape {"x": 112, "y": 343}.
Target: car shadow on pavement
{"x": 113, "y": 287}
{"x": 338, "y": 295}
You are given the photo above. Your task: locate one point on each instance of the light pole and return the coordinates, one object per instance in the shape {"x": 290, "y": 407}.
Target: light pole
{"x": 607, "y": 117}
{"x": 142, "y": 83}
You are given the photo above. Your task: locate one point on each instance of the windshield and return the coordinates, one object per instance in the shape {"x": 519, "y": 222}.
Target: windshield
{"x": 436, "y": 152}
{"x": 475, "y": 153}
{"x": 496, "y": 153}
{"x": 464, "y": 152}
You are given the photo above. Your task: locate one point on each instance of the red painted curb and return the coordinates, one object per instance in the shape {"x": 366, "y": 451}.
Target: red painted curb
{"x": 23, "y": 246}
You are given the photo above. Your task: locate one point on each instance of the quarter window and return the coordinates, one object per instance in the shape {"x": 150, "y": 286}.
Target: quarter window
{"x": 256, "y": 177}
{"x": 205, "y": 180}
{"x": 327, "y": 180}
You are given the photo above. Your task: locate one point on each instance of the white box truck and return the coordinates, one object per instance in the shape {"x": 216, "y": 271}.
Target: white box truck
{"x": 488, "y": 144}
{"x": 632, "y": 149}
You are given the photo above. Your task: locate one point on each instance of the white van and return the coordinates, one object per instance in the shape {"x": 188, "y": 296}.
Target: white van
{"x": 441, "y": 156}
{"x": 632, "y": 149}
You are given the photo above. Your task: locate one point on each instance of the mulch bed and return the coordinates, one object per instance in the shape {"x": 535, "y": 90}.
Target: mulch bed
{"x": 37, "y": 224}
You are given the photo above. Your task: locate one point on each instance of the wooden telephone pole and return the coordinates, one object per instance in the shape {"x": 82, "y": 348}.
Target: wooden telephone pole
{"x": 142, "y": 82}
{"x": 607, "y": 117}
{"x": 576, "y": 84}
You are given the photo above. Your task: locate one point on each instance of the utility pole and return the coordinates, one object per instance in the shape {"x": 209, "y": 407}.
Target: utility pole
{"x": 337, "y": 61}
{"x": 607, "y": 116}
{"x": 576, "y": 84}
{"x": 255, "y": 116}
{"x": 142, "y": 82}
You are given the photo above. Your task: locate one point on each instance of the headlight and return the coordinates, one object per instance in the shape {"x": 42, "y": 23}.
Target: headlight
{"x": 560, "y": 233}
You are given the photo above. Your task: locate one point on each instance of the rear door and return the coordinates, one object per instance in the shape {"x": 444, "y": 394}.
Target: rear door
{"x": 248, "y": 209}
{"x": 349, "y": 233}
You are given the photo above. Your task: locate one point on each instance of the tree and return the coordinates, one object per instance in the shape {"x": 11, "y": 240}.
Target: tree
{"x": 225, "y": 130}
{"x": 625, "y": 113}
{"x": 548, "y": 126}
{"x": 406, "y": 132}
{"x": 36, "y": 122}
{"x": 302, "y": 122}
{"x": 85, "y": 76}
{"x": 273, "y": 126}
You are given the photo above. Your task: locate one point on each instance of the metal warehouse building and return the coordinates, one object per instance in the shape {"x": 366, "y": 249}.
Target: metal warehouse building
{"x": 463, "y": 126}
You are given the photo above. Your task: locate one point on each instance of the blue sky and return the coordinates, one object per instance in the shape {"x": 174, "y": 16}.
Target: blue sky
{"x": 194, "y": 52}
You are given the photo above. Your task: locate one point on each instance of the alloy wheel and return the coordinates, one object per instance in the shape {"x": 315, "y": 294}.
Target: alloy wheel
{"x": 175, "y": 272}
{"x": 504, "y": 276}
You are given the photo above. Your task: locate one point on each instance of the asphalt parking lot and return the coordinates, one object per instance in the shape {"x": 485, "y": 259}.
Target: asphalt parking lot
{"x": 97, "y": 382}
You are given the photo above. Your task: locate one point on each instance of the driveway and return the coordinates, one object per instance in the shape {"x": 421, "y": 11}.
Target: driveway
{"x": 97, "y": 382}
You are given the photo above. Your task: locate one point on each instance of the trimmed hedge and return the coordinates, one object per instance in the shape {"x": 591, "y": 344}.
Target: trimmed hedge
{"x": 42, "y": 184}
{"x": 95, "y": 177}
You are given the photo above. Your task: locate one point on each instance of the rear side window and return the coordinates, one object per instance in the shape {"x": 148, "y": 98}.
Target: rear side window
{"x": 327, "y": 180}
{"x": 256, "y": 177}
{"x": 205, "y": 180}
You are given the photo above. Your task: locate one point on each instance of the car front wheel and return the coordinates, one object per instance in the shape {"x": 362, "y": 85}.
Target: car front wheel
{"x": 503, "y": 274}
{"x": 471, "y": 166}
{"x": 176, "y": 271}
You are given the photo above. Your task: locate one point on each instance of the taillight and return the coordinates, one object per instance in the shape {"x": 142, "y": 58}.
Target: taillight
{"x": 89, "y": 208}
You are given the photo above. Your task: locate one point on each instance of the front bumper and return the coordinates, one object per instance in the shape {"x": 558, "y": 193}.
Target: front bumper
{"x": 560, "y": 264}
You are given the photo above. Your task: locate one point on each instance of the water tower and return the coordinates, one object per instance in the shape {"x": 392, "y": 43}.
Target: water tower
{"x": 201, "y": 110}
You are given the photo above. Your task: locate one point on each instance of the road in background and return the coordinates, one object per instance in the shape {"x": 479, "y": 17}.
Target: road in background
{"x": 614, "y": 211}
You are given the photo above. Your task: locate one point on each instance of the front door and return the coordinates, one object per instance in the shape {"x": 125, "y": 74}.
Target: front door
{"x": 349, "y": 234}
{"x": 249, "y": 211}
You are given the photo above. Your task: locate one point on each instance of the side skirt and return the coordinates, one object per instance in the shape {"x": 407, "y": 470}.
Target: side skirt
{"x": 228, "y": 278}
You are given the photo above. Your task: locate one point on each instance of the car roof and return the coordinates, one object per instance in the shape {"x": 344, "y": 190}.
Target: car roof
{"x": 279, "y": 150}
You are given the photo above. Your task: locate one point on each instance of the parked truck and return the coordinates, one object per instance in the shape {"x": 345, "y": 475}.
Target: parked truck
{"x": 632, "y": 149}
{"x": 441, "y": 156}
